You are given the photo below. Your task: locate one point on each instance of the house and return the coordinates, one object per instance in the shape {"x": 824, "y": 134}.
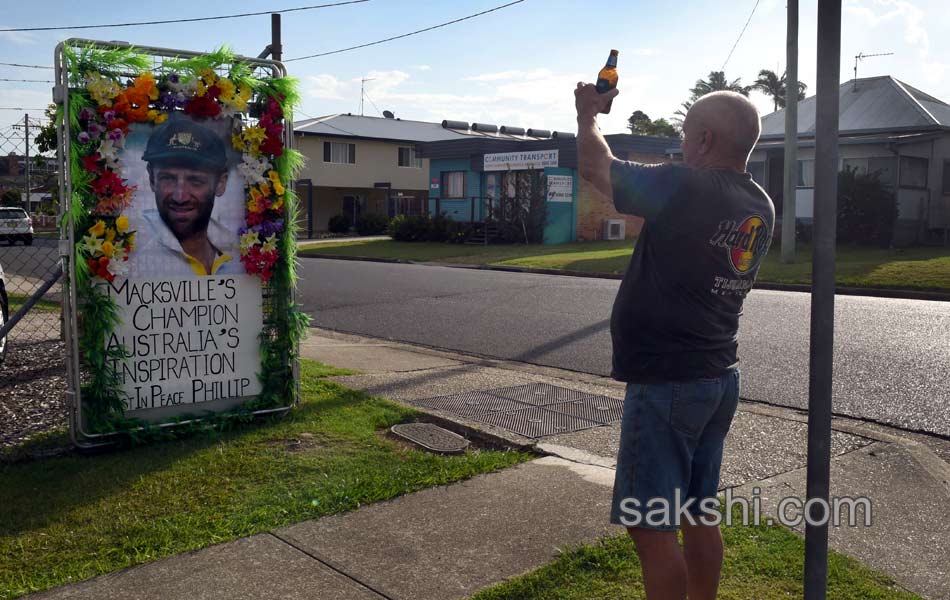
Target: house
{"x": 357, "y": 164}
{"x": 471, "y": 176}
{"x": 886, "y": 126}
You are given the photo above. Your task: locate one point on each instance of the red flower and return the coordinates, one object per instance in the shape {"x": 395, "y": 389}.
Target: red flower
{"x": 118, "y": 124}
{"x": 213, "y": 91}
{"x": 91, "y": 162}
{"x": 203, "y": 106}
{"x": 272, "y": 146}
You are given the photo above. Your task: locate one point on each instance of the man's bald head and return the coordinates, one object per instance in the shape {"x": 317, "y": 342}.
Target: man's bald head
{"x": 721, "y": 127}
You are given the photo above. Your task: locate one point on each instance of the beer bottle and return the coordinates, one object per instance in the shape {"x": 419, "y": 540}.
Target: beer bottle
{"x": 607, "y": 78}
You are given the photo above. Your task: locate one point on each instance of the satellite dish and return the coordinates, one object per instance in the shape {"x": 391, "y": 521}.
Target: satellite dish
{"x": 388, "y": 114}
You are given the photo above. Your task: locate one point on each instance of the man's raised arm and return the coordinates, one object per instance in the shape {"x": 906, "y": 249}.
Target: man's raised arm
{"x": 593, "y": 153}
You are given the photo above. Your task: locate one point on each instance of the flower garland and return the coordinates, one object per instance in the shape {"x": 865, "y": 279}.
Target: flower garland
{"x": 264, "y": 223}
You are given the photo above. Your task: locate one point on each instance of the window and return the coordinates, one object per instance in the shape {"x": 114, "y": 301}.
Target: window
{"x": 757, "y": 170}
{"x": 453, "y": 184}
{"x": 884, "y": 166}
{"x": 886, "y": 169}
{"x": 913, "y": 172}
{"x": 806, "y": 173}
{"x": 407, "y": 158}
{"x": 946, "y": 178}
{"x": 339, "y": 153}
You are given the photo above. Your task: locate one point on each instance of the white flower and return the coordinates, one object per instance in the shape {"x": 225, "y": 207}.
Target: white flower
{"x": 252, "y": 169}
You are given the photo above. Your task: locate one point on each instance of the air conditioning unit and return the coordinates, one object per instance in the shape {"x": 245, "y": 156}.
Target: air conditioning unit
{"x": 614, "y": 229}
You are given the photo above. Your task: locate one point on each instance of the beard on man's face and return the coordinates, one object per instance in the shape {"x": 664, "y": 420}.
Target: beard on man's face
{"x": 185, "y": 219}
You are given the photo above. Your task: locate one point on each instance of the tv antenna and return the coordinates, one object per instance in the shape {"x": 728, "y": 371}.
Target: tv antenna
{"x": 861, "y": 56}
{"x": 362, "y": 93}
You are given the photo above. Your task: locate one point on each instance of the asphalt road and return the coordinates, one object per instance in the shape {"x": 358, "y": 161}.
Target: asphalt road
{"x": 892, "y": 357}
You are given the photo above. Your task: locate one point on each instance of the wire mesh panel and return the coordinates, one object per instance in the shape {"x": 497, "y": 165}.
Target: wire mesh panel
{"x": 32, "y": 355}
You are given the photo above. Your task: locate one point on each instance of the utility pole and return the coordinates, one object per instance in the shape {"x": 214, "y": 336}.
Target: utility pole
{"x": 821, "y": 359}
{"x": 26, "y": 154}
{"x": 276, "y": 49}
{"x": 791, "y": 135}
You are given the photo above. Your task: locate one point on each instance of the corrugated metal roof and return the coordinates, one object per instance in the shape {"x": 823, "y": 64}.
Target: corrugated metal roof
{"x": 376, "y": 128}
{"x": 870, "y": 104}
{"x": 355, "y": 126}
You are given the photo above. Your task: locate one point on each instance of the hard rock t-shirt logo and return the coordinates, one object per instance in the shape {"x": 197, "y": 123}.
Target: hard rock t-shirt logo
{"x": 746, "y": 242}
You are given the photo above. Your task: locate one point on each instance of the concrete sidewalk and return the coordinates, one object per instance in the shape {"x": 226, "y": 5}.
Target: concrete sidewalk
{"x": 451, "y": 541}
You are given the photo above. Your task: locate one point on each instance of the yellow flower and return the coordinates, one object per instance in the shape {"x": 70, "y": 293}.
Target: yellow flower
{"x": 130, "y": 240}
{"x": 98, "y": 229}
{"x": 227, "y": 89}
{"x": 265, "y": 189}
{"x": 238, "y": 142}
{"x": 255, "y": 194}
{"x": 255, "y": 135}
{"x": 157, "y": 116}
{"x": 244, "y": 92}
{"x": 122, "y": 224}
{"x": 279, "y": 204}
{"x": 273, "y": 176}
{"x": 278, "y": 188}
{"x": 110, "y": 234}
{"x": 107, "y": 248}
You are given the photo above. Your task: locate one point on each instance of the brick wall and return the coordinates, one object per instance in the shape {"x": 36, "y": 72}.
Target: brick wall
{"x": 593, "y": 207}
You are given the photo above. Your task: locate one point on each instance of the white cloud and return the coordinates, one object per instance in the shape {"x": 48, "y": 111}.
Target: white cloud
{"x": 325, "y": 86}
{"x": 18, "y": 37}
{"x": 509, "y": 75}
{"x": 383, "y": 82}
{"x": 422, "y": 67}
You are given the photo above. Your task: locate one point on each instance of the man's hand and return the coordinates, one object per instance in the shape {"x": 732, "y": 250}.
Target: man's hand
{"x": 589, "y": 102}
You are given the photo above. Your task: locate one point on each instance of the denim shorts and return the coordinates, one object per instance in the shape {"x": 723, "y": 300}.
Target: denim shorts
{"x": 671, "y": 442}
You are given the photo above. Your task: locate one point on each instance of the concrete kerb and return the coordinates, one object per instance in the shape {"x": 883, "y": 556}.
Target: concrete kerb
{"x": 781, "y": 287}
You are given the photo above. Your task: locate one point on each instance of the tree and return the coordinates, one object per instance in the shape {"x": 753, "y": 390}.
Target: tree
{"x": 11, "y": 197}
{"x": 716, "y": 82}
{"x": 774, "y": 86}
{"x": 640, "y": 123}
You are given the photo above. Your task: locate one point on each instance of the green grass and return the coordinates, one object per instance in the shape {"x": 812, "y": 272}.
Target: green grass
{"x": 17, "y": 300}
{"x": 911, "y": 268}
{"x": 764, "y": 563}
{"x": 71, "y": 518}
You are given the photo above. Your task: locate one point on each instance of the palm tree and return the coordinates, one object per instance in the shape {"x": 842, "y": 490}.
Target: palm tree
{"x": 772, "y": 85}
{"x": 717, "y": 82}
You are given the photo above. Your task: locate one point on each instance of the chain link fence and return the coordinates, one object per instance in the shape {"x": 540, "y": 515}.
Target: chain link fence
{"x": 33, "y": 369}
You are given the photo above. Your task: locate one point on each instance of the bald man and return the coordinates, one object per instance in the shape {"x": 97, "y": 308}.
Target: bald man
{"x": 674, "y": 329}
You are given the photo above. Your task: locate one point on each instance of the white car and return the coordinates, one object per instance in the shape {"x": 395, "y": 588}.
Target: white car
{"x": 4, "y": 313}
{"x": 15, "y": 226}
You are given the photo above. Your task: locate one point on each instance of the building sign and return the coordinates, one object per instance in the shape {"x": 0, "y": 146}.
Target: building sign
{"x": 520, "y": 161}
{"x": 435, "y": 184}
{"x": 560, "y": 188}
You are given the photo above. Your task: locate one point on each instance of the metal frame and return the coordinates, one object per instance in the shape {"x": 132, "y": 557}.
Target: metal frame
{"x": 78, "y": 436}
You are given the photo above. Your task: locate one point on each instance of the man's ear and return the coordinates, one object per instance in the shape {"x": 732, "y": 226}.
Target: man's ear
{"x": 706, "y": 141}
{"x": 221, "y": 185}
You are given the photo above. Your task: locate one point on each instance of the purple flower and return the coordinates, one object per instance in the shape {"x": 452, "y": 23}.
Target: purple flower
{"x": 108, "y": 115}
{"x": 94, "y": 129}
{"x": 173, "y": 78}
{"x": 83, "y": 137}
{"x": 115, "y": 135}
{"x": 86, "y": 114}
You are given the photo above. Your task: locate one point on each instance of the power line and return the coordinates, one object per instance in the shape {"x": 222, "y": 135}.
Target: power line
{"x": 238, "y": 16}
{"x": 15, "y": 108}
{"x": 484, "y": 12}
{"x": 740, "y": 35}
{"x": 28, "y": 80}
{"x": 24, "y": 66}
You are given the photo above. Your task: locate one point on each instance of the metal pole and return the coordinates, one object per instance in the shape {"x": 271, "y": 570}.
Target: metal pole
{"x": 823, "y": 296}
{"x": 791, "y": 134}
{"x": 276, "y": 50}
{"x": 26, "y": 154}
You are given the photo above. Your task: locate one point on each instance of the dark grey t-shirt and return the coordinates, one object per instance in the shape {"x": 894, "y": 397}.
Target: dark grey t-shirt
{"x": 676, "y": 316}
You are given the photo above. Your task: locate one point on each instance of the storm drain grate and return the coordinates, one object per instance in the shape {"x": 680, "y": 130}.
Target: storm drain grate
{"x": 539, "y": 394}
{"x": 537, "y": 422}
{"x": 594, "y": 408}
{"x": 471, "y": 404}
{"x": 533, "y": 410}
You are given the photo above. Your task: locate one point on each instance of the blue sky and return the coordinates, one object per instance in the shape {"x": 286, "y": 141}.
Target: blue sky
{"x": 517, "y": 66}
